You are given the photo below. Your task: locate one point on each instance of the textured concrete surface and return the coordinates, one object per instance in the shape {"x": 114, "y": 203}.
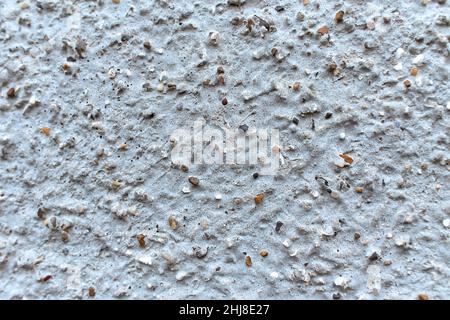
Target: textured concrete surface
{"x": 92, "y": 207}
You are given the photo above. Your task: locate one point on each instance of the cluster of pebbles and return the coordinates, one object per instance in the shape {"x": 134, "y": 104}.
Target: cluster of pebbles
{"x": 91, "y": 205}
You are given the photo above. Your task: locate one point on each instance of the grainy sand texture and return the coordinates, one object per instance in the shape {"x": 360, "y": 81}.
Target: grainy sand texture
{"x": 93, "y": 205}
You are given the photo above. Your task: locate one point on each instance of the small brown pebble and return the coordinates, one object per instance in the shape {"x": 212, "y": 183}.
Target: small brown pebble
{"x": 45, "y": 278}
{"x": 346, "y": 158}
{"x": 305, "y": 2}
{"x": 41, "y": 213}
{"x": 359, "y": 189}
{"x": 64, "y": 236}
{"x": 224, "y": 101}
{"x": 194, "y": 181}
{"x": 66, "y": 227}
{"x": 45, "y": 131}
{"x": 116, "y": 1}
{"x": 407, "y": 83}
{"x": 11, "y": 93}
{"x": 414, "y": 71}
{"x": 147, "y": 45}
{"x": 274, "y": 51}
{"x": 123, "y": 146}
{"x": 100, "y": 153}
{"x": 424, "y": 166}
{"x": 374, "y": 256}
{"x": 91, "y": 292}
{"x": 115, "y": 185}
{"x": 357, "y": 235}
{"x": 66, "y": 67}
{"x": 387, "y": 262}
{"x": 221, "y": 79}
{"x": 248, "y": 261}
{"x": 220, "y": 70}
{"x": 332, "y": 67}
{"x": 173, "y": 223}
{"x": 339, "y": 17}
{"x": 423, "y": 296}
{"x": 141, "y": 240}
{"x": 296, "y": 86}
{"x": 184, "y": 168}
{"x": 259, "y": 198}
{"x": 323, "y": 30}
{"x": 264, "y": 253}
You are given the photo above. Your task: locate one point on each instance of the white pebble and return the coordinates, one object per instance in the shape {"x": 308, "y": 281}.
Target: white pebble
{"x": 402, "y": 241}
{"x": 163, "y": 76}
{"x": 229, "y": 243}
{"x": 328, "y": 231}
{"x": 112, "y": 73}
{"x": 342, "y": 136}
{"x": 181, "y": 275}
{"x": 218, "y": 196}
{"x": 287, "y": 243}
{"x": 33, "y": 101}
{"x": 341, "y": 282}
{"x": 409, "y": 218}
{"x": 145, "y": 260}
{"x": 186, "y": 190}
{"x": 24, "y": 5}
{"x": 258, "y": 54}
{"x": 418, "y": 59}
{"x": 398, "y": 66}
{"x": 160, "y": 87}
{"x": 319, "y": 281}
{"x": 335, "y": 195}
{"x": 407, "y": 111}
{"x": 274, "y": 275}
{"x": 213, "y": 38}
{"x": 446, "y": 223}
{"x": 399, "y": 53}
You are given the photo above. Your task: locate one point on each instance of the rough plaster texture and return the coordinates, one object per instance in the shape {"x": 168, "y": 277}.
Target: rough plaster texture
{"x": 91, "y": 205}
